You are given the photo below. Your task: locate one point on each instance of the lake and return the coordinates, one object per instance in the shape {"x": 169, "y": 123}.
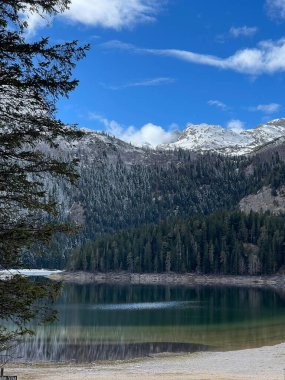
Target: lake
{"x": 103, "y": 322}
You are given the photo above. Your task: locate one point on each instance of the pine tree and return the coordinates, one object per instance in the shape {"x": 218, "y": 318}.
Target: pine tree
{"x": 33, "y": 75}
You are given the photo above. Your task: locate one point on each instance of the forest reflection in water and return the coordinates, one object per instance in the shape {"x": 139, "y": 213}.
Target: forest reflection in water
{"x": 101, "y": 322}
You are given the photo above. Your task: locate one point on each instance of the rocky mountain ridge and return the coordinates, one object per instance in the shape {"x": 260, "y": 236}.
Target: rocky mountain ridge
{"x": 214, "y": 138}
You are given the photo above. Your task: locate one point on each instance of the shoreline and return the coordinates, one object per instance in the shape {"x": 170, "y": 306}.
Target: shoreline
{"x": 262, "y": 363}
{"x": 250, "y": 364}
{"x": 188, "y": 279}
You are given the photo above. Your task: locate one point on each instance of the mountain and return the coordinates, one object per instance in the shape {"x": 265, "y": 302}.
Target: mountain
{"x": 214, "y": 138}
{"x": 122, "y": 186}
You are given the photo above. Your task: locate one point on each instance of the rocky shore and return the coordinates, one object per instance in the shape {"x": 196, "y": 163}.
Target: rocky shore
{"x": 189, "y": 279}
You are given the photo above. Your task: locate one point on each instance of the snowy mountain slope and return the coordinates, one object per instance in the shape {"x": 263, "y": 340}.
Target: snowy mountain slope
{"x": 214, "y": 138}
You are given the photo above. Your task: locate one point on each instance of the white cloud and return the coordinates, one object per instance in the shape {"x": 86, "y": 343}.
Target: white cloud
{"x": 267, "y": 108}
{"x": 114, "y": 14}
{"x": 144, "y": 83}
{"x": 151, "y": 134}
{"x": 218, "y": 104}
{"x": 243, "y": 31}
{"x": 236, "y": 32}
{"x": 35, "y": 22}
{"x": 236, "y": 125}
{"x": 276, "y": 8}
{"x": 267, "y": 58}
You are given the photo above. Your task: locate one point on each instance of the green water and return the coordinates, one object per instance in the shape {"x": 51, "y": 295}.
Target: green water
{"x": 113, "y": 321}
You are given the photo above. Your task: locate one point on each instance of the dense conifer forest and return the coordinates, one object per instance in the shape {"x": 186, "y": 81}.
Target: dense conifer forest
{"x": 150, "y": 187}
{"x": 225, "y": 242}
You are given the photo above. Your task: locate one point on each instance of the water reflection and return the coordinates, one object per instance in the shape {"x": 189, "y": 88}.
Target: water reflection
{"x": 119, "y": 322}
{"x": 146, "y": 305}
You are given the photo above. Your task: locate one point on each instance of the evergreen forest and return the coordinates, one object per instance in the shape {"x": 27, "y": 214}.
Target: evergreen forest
{"x": 225, "y": 242}
{"x": 149, "y": 192}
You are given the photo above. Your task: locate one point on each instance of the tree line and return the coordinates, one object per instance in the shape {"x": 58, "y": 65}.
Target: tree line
{"x": 225, "y": 242}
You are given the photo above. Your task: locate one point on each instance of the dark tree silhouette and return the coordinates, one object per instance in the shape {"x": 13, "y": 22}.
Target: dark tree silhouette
{"x": 33, "y": 75}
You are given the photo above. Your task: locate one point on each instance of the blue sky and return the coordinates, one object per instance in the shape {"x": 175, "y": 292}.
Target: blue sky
{"x": 156, "y": 65}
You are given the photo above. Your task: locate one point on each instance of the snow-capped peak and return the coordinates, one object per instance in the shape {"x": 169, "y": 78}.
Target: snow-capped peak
{"x": 214, "y": 138}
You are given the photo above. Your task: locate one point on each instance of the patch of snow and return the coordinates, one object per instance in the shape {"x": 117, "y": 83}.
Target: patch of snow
{"x": 28, "y": 272}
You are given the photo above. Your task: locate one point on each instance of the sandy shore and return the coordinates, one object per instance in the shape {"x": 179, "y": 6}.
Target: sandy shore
{"x": 188, "y": 279}
{"x": 266, "y": 363}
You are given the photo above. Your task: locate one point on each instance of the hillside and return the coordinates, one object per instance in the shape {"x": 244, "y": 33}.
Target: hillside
{"x": 123, "y": 186}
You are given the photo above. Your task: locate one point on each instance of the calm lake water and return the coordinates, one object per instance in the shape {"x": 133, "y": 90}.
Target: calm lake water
{"x": 102, "y": 322}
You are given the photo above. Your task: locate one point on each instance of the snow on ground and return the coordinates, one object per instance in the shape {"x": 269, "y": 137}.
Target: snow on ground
{"x": 28, "y": 272}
